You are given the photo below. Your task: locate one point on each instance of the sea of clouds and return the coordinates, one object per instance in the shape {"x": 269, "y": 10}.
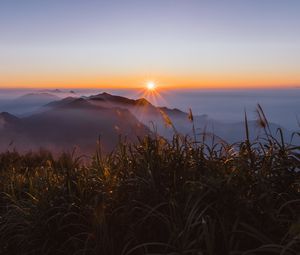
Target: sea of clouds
{"x": 281, "y": 106}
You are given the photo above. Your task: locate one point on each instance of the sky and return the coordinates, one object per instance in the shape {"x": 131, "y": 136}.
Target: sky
{"x": 125, "y": 43}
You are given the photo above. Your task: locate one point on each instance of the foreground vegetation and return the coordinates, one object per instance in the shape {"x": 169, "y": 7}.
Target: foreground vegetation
{"x": 155, "y": 197}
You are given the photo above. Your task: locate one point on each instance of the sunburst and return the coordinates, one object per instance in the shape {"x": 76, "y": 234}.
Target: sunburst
{"x": 151, "y": 85}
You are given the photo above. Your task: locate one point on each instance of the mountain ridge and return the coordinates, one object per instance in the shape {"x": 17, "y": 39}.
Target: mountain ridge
{"x": 78, "y": 121}
{"x": 75, "y": 123}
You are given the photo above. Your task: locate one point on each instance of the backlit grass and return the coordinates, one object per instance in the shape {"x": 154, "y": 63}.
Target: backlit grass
{"x": 154, "y": 197}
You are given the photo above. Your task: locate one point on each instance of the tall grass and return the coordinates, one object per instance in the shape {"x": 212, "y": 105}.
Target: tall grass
{"x": 154, "y": 197}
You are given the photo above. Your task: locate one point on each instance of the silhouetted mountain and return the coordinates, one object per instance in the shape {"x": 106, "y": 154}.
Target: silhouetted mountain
{"x": 112, "y": 99}
{"x": 60, "y": 102}
{"x": 173, "y": 111}
{"x": 52, "y": 91}
{"x": 142, "y": 109}
{"x": 152, "y": 117}
{"x": 74, "y": 123}
{"x": 78, "y": 103}
{"x": 147, "y": 113}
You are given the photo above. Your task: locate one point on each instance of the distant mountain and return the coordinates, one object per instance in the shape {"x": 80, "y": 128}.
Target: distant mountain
{"x": 152, "y": 117}
{"x": 36, "y": 98}
{"x": 28, "y": 103}
{"x": 64, "y": 101}
{"x": 148, "y": 114}
{"x": 52, "y": 91}
{"x": 76, "y": 123}
{"x": 72, "y": 121}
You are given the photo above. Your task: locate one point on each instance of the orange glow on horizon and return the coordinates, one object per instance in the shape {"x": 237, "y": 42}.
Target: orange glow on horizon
{"x": 168, "y": 81}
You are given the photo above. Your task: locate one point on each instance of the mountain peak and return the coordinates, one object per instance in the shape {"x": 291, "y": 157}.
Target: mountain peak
{"x": 61, "y": 102}
{"x": 77, "y": 103}
{"x": 39, "y": 95}
{"x": 112, "y": 98}
{"x": 142, "y": 101}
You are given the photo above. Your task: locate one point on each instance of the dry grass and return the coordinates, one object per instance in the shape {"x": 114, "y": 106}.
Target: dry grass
{"x": 154, "y": 197}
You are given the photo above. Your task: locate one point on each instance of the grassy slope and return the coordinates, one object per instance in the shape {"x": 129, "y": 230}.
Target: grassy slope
{"x": 154, "y": 197}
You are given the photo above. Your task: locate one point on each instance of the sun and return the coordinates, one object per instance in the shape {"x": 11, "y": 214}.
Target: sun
{"x": 151, "y": 85}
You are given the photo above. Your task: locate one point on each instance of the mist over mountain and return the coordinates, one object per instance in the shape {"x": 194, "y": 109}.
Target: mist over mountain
{"x": 280, "y": 105}
{"x": 61, "y": 124}
{"x": 154, "y": 118}
{"x": 74, "y": 124}
{"x": 27, "y": 104}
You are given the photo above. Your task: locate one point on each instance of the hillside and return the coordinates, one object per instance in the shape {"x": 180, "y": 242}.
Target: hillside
{"x": 153, "y": 197}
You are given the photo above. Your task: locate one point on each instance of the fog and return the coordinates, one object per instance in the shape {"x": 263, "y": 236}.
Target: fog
{"x": 282, "y": 106}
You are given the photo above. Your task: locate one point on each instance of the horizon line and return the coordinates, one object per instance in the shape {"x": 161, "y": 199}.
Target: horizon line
{"x": 160, "y": 87}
